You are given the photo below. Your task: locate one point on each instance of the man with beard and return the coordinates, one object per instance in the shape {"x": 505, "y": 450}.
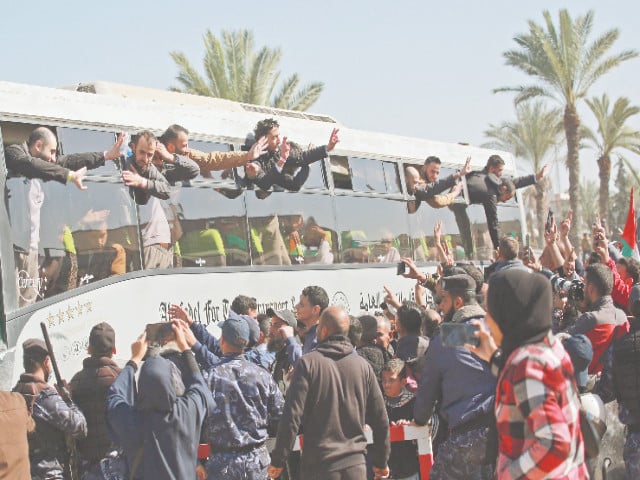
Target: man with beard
{"x": 462, "y": 384}
{"x": 282, "y": 323}
{"x": 600, "y": 317}
{"x": 54, "y": 417}
{"x": 313, "y": 301}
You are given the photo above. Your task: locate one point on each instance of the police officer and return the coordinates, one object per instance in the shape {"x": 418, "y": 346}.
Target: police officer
{"x": 247, "y": 405}
{"x": 621, "y": 380}
{"x": 464, "y": 387}
{"x": 53, "y": 417}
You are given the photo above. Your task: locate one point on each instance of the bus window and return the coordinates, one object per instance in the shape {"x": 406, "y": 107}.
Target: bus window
{"x": 391, "y": 177}
{"x": 316, "y": 178}
{"x": 210, "y": 227}
{"x": 289, "y": 228}
{"x": 213, "y": 147}
{"x": 340, "y": 172}
{"x": 100, "y": 224}
{"x": 422, "y": 223}
{"x": 76, "y": 140}
{"x": 381, "y": 237}
{"x": 367, "y": 175}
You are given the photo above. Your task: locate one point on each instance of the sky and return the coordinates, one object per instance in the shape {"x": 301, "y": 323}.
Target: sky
{"x": 416, "y": 68}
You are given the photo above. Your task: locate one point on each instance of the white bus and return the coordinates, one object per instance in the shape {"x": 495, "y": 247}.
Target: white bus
{"x": 231, "y": 240}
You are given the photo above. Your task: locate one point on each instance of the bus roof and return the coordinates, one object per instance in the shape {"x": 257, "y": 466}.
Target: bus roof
{"x": 113, "y": 106}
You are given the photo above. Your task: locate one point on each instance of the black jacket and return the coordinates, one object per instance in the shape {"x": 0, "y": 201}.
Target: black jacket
{"x": 270, "y": 176}
{"x": 331, "y": 394}
{"x": 89, "y": 389}
{"x": 20, "y": 162}
{"x": 483, "y": 190}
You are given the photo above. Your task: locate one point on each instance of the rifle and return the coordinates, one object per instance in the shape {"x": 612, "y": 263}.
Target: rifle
{"x": 71, "y": 466}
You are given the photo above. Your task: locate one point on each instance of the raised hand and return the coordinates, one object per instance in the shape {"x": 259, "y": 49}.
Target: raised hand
{"x": 437, "y": 232}
{"x": 176, "y": 312}
{"x": 487, "y": 345}
{"x": 285, "y": 149}
{"x": 413, "y": 270}
{"x": 77, "y": 177}
{"x": 543, "y": 172}
{"x": 390, "y": 298}
{"x": 139, "y": 348}
{"x": 114, "y": 151}
{"x": 467, "y": 167}
{"x": 257, "y": 149}
{"x": 565, "y": 226}
{"x": 333, "y": 139}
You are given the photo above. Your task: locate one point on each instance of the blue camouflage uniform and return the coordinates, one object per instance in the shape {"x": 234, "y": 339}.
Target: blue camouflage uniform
{"x": 53, "y": 418}
{"x": 247, "y": 406}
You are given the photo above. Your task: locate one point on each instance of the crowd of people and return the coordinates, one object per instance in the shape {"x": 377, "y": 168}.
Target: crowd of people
{"x": 505, "y": 401}
{"x": 499, "y": 362}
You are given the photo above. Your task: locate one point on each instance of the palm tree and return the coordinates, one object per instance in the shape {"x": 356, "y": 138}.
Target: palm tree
{"x": 612, "y": 134}
{"x": 588, "y": 194}
{"x": 236, "y": 72}
{"x": 533, "y": 136}
{"x": 566, "y": 63}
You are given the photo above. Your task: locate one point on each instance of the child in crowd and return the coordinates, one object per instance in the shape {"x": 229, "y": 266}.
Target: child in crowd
{"x": 399, "y": 401}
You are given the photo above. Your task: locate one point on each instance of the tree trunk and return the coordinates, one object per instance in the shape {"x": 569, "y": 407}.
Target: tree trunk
{"x": 604, "y": 172}
{"x": 542, "y": 205}
{"x": 571, "y": 126}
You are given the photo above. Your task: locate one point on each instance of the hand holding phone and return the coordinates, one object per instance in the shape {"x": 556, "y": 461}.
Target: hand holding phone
{"x": 401, "y": 269}
{"x": 549, "y": 223}
{"x": 159, "y": 333}
{"x": 459, "y": 334}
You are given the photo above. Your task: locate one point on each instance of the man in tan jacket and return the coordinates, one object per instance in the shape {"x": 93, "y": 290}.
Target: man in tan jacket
{"x": 14, "y": 448}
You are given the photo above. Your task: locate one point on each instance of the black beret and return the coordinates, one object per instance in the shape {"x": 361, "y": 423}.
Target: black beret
{"x": 458, "y": 284}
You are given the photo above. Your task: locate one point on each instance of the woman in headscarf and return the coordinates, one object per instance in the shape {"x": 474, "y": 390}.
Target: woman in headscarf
{"x": 537, "y": 404}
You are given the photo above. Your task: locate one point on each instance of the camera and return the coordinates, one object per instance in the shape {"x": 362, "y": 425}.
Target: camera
{"x": 574, "y": 289}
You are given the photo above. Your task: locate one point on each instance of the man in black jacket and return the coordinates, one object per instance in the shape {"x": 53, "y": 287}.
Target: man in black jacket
{"x": 487, "y": 187}
{"x": 268, "y": 169}
{"x": 89, "y": 388}
{"x": 36, "y": 159}
{"x": 331, "y": 394}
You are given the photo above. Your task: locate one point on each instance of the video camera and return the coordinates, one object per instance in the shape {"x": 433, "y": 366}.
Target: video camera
{"x": 574, "y": 289}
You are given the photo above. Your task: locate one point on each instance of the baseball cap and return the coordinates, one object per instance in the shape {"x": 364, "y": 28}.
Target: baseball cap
{"x": 102, "y": 339}
{"x": 235, "y": 331}
{"x": 35, "y": 349}
{"x": 286, "y": 316}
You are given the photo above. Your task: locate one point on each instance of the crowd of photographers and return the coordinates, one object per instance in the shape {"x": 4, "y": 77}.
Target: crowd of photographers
{"x": 508, "y": 366}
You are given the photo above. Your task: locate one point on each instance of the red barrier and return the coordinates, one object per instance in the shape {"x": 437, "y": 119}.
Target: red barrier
{"x": 422, "y": 436}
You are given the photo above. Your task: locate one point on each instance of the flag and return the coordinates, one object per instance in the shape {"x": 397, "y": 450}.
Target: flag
{"x": 629, "y": 234}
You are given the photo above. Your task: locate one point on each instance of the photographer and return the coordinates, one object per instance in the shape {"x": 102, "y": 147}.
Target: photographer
{"x": 600, "y": 316}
